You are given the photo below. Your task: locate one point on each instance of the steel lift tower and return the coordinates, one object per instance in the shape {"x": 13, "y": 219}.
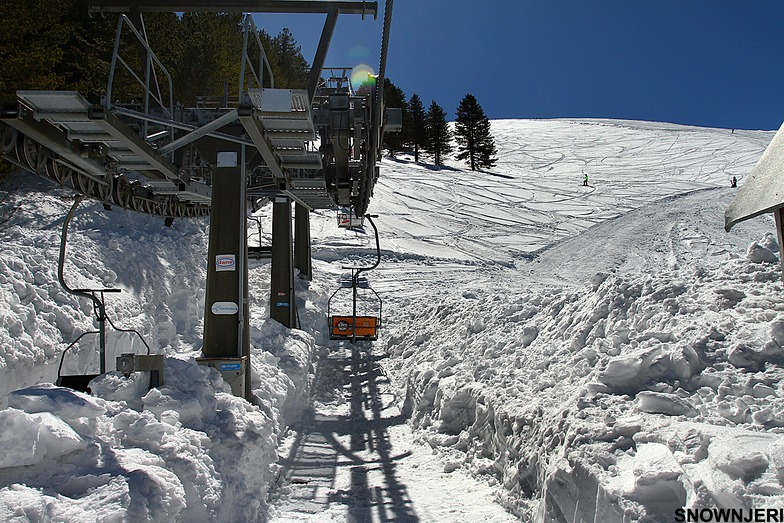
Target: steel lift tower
{"x": 157, "y": 157}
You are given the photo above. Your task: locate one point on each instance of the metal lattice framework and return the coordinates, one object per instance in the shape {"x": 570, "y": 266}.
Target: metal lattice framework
{"x": 153, "y": 156}
{"x": 142, "y": 156}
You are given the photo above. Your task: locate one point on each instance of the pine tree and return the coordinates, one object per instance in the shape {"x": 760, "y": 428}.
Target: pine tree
{"x": 394, "y": 97}
{"x": 472, "y": 132}
{"x": 289, "y": 66}
{"x": 417, "y": 134}
{"x": 211, "y": 56}
{"x": 439, "y": 136}
{"x": 38, "y": 40}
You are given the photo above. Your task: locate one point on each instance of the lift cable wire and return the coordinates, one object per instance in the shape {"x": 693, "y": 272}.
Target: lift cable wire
{"x": 382, "y": 71}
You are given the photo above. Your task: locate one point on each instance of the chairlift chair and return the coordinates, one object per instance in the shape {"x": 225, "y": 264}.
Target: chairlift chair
{"x": 81, "y": 382}
{"x": 259, "y": 251}
{"x": 348, "y": 219}
{"x": 363, "y": 321}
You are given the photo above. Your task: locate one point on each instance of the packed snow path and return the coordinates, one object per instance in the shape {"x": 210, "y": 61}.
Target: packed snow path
{"x": 354, "y": 458}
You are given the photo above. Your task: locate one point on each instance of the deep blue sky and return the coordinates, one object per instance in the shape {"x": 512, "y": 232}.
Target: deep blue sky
{"x": 713, "y": 63}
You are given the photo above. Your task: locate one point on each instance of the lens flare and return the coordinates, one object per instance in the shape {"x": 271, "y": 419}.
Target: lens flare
{"x": 358, "y": 54}
{"x": 360, "y": 75}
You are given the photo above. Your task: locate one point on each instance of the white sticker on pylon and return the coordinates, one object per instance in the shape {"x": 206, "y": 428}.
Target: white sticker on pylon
{"x": 224, "y": 308}
{"x": 225, "y": 262}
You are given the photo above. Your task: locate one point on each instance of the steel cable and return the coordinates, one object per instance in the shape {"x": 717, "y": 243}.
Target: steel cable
{"x": 382, "y": 68}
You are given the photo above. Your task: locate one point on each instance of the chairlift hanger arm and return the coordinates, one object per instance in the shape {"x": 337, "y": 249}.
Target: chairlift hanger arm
{"x": 84, "y": 293}
{"x": 98, "y": 306}
{"x": 244, "y": 6}
{"x": 378, "y": 252}
{"x": 360, "y": 270}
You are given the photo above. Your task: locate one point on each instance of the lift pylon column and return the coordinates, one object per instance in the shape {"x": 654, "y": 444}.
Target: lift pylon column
{"x": 282, "y": 305}
{"x": 226, "y": 303}
{"x": 302, "y": 259}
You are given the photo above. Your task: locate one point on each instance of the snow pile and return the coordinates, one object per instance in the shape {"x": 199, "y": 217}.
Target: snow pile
{"x": 188, "y": 450}
{"x": 620, "y": 396}
{"x": 181, "y": 456}
{"x": 764, "y": 251}
{"x": 195, "y": 451}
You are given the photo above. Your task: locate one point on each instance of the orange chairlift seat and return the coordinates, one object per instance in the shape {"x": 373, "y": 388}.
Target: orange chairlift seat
{"x": 363, "y": 326}
{"x": 363, "y": 321}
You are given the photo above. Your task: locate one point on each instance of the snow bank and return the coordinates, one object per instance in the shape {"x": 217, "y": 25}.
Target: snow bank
{"x": 186, "y": 451}
{"x": 621, "y": 399}
{"x": 195, "y": 452}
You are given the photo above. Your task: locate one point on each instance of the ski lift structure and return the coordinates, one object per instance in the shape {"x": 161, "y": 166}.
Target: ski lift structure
{"x": 354, "y": 309}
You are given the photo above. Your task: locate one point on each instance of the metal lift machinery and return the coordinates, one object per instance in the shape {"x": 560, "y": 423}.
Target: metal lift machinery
{"x": 154, "y": 156}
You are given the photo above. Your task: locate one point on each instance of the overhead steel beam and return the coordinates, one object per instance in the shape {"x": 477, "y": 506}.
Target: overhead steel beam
{"x": 202, "y": 131}
{"x": 116, "y": 128}
{"x": 297, "y": 199}
{"x": 321, "y": 52}
{"x": 256, "y": 133}
{"x": 179, "y": 125}
{"x": 226, "y": 6}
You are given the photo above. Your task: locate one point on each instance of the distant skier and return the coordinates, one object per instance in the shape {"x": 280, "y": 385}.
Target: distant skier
{"x": 733, "y": 182}
{"x": 585, "y": 180}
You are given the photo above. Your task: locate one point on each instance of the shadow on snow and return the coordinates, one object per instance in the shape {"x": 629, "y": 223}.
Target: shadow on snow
{"x": 358, "y": 441}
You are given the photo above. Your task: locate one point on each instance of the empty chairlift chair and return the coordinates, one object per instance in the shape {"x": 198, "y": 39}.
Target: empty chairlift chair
{"x": 354, "y": 309}
{"x": 354, "y": 318}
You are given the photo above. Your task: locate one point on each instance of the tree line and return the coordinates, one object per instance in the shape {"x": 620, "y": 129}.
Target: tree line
{"x": 427, "y": 132}
{"x": 57, "y": 45}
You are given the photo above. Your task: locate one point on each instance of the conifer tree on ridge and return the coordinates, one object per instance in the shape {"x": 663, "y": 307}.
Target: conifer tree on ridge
{"x": 417, "y": 134}
{"x": 472, "y": 131}
{"x": 438, "y": 133}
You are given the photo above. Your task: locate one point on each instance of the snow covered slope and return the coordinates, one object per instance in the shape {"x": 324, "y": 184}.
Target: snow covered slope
{"x": 621, "y": 360}
{"x": 594, "y": 353}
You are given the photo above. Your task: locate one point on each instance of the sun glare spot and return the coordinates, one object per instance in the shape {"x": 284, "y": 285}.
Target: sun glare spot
{"x": 360, "y": 74}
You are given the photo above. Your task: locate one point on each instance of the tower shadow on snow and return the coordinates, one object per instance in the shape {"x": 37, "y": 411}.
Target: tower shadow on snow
{"x": 358, "y": 441}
